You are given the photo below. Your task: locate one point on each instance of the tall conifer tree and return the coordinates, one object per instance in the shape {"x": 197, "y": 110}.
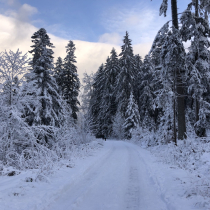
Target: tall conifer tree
{"x": 126, "y": 78}
{"x": 95, "y": 109}
{"x": 109, "y": 104}
{"x": 195, "y": 27}
{"x": 44, "y": 108}
{"x": 59, "y": 74}
{"x": 71, "y": 83}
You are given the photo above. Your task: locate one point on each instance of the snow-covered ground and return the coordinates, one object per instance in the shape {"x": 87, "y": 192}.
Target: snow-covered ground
{"x": 117, "y": 176}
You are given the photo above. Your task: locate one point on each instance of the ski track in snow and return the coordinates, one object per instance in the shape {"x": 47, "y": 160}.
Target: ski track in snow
{"x": 119, "y": 180}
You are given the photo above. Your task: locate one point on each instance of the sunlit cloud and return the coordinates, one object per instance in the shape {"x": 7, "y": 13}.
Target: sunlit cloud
{"x": 140, "y": 21}
{"x": 111, "y": 38}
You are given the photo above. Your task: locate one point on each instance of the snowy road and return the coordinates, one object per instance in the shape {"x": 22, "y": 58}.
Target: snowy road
{"x": 118, "y": 180}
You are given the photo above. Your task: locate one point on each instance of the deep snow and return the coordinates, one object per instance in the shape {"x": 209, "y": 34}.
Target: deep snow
{"x": 117, "y": 176}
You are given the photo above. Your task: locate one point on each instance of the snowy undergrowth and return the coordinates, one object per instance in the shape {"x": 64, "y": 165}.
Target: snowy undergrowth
{"x": 192, "y": 155}
{"x": 44, "y": 162}
{"x": 31, "y": 188}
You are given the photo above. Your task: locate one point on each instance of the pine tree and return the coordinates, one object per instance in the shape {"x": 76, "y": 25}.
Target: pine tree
{"x": 146, "y": 99}
{"x": 126, "y": 77}
{"x": 195, "y": 27}
{"x": 58, "y": 74}
{"x": 95, "y": 109}
{"x": 178, "y": 82}
{"x": 138, "y": 73}
{"x": 71, "y": 83}
{"x": 108, "y": 104}
{"x": 131, "y": 117}
{"x": 44, "y": 107}
{"x": 172, "y": 54}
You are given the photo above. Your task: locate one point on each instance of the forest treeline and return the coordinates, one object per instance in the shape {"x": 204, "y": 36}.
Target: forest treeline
{"x": 167, "y": 93}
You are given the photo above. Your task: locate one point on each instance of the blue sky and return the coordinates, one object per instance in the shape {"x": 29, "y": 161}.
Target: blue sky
{"x": 95, "y": 25}
{"x": 84, "y": 19}
{"x": 87, "y": 20}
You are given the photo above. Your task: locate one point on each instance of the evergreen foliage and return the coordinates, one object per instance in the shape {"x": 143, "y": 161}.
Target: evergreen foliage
{"x": 146, "y": 99}
{"x": 44, "y": 107}
{"x": 131, "y": 117}
{"x": 71, "y": 83}
{"x": 109, "y": 105}
{"x": 172, "y": 54}
{"x": 94, "y": 113}
{"x": 126, "y": 77}
{"x": 195, "y": 27}
{"x": 58, "y": 75}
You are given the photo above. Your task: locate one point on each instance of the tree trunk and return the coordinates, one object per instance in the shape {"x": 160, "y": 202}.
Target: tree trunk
{"x": 196, "y": 8}
{"x": 196, "y": 110}
{"x": 196, "y": 58}
{"x": 174, "y": 13}
{"x": 201, "y": 132}
{"x": 174, "y": 107}
{"x": 179, "y": 83}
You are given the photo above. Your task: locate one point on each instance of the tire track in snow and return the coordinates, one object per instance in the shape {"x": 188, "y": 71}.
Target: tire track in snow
{"x": 156, "y": 184}
{"x": 81, "y": 185}
{"x": 119, "y": 180}
{"x": 133, "y": 190}
{"x": 132, "y": 194}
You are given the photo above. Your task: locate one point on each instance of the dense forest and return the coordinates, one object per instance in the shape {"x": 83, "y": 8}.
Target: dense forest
{"x": 167, "y": 92}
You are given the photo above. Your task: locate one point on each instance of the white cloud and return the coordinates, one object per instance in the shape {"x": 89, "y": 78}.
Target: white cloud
{"x": 140, "y": 21}
{"x": 28, "y": 10}
{"x": 10, "y": 2}
{"x": 22, "y": 12}
{"x": 111, "y": 38}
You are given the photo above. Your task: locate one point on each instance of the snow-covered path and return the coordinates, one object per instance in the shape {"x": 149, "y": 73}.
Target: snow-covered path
{"x": 118, "y": 180}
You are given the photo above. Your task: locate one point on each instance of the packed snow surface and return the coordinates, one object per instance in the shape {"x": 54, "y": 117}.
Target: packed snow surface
{"x": 117, "y": 176}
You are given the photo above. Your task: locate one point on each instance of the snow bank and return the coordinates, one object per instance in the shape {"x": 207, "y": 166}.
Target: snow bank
{"x": 34, "y": 189}
{"x": 191, "y": 155}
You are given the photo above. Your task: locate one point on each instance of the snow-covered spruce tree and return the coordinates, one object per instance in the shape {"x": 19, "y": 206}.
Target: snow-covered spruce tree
{"x": 71, "y": 83}
{"x": 195, "y": 27}
{"x": 126, "y": 78}
{"x": 138, "y": 65}
{"x": 172, "y": 57}
{"x": 58, "y": 74}
{"x": 108, "y": 103}
{"x": 15, "y": 134}
{"x": 103, "y": 120}
{"x": 146, "y": 98}
{"x": 43, "y": 111}
{"x": 180, "y": 87}
{"x": 94, "y": 112}
{"x": 131, "y": 117}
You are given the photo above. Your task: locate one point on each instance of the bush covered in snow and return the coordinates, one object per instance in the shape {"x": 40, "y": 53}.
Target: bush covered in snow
{"x": 192, "y": 154}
